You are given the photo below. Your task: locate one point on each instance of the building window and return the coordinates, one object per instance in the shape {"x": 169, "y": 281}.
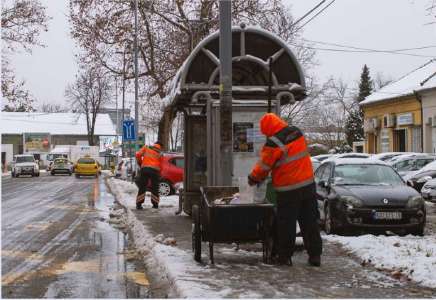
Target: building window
{"x": 384, "y": 140}
{"x": 416, "y": 139}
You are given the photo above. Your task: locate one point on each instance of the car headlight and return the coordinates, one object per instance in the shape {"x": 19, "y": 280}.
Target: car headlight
{"x": 424, "y": 179}
{"x": 415, "y": 202}
{"x": 352, "y": 201}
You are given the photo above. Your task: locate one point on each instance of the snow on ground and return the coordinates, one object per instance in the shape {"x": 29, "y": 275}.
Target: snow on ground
{"x": 413, "y": 256}
{"x": 173, "y": 263}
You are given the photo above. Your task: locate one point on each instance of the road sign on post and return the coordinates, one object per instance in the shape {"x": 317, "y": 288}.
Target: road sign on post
{"x": 129, "y": 133}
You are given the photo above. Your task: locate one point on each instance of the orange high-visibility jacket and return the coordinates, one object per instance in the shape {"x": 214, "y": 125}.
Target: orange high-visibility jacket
{"x": 149, "y": 156}
{"x": 285, "y": 154}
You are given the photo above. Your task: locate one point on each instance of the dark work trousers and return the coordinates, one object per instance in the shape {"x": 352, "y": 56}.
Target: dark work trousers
{"x": 145, "y": 175}
{"x": 298, "y": 205}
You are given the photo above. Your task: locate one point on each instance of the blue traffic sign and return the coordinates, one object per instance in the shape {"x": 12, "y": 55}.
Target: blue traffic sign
{"x": 129, "y": 133}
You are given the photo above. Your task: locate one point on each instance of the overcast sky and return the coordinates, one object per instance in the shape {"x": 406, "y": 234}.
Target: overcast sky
{"x": 372, "y": 24}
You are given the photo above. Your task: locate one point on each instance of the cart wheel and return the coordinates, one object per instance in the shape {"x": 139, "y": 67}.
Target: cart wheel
{"x": 196, "y": 233}
{"x": 211, "y": 253}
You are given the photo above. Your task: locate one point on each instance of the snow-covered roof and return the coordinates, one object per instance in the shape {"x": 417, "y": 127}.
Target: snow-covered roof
{"x": 53, "y": 123}
{"x": 420, "y": 79}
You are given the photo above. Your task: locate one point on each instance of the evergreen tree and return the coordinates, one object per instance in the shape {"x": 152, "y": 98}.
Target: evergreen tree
{"x": 354, "y": 123}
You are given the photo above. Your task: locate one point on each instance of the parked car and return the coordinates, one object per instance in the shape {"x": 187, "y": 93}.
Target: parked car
{"x": 365, "y": 194}
{"x": 322, "y": 157}
{"x": 428, "y": 191}
{"x": 387, "y": 156}
{"x": 427, "y": 173}
{"x": 173, "y": 166}
{"x": 315, "y": 163}
{"x": 24, "y": 164}
{"x": 408, "y": 163}
{"x": 351, "y": 155}
{"x": 61, "y": 166}
{"x": 86, "y": 166}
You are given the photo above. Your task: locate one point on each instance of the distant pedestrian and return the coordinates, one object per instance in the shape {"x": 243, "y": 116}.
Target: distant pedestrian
{"x": 285, "y": 154}
{"x": 149, "y": 158}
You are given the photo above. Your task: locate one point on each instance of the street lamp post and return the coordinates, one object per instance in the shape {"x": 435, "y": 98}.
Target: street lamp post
{"x": 136, "y": 77}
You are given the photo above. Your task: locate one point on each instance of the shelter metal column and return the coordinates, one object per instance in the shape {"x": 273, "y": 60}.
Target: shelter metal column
{"x": 225, "y": 51}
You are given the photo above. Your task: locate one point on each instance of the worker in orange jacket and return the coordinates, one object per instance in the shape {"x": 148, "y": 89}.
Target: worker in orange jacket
{"x": 149, "y": 158}
{"x": 285, "y": 154}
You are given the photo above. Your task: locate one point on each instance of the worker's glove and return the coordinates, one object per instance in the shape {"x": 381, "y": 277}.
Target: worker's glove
{"x": 252, "y": 181}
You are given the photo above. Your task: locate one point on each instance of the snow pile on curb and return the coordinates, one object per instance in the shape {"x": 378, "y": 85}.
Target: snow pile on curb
{"x": 410, "y": 256}
{"x": 188, "y": 278}
{"x": 126, "y": 191}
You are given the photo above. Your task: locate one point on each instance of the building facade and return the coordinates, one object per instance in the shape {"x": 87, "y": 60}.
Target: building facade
{"x": 428, "y": 100}
{"x": 393, "y": 126}
{"x": 399, "y": 117}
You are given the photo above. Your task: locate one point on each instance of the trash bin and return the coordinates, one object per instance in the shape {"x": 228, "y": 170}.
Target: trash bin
{"x": 271, "y": 196}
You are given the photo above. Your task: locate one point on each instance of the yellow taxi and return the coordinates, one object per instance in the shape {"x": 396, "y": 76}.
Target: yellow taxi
{"x": 86, "y": 166}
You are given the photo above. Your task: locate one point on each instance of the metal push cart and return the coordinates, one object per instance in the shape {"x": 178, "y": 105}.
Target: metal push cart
{"x": 230, "y": 223}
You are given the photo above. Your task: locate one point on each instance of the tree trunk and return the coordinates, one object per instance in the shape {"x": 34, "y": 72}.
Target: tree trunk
{"x": 165, "y": 125}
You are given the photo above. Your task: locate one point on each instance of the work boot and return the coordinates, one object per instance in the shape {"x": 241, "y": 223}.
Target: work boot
{"x": 138, "y": 206}
{"x": 315, "y": 260}
{"x": 284, "y": 261}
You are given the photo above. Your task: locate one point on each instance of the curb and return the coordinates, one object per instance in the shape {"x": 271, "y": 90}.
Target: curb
{"x": 145, "y": 244}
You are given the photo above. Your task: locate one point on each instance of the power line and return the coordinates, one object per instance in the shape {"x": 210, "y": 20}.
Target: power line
{"x": 359, "y": 48}
{"x": 362, "y": 51}
{"x": 308, "y": 21}
{"x": 309, "y": 12}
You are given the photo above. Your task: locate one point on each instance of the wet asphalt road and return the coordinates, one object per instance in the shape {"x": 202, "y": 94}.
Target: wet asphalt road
{"x": 57, "y": 243}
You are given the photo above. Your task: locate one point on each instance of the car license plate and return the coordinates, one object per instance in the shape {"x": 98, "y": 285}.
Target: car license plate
{"x": 388, "y": 215}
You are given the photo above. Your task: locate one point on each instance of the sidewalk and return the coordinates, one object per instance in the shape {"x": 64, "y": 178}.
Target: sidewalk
{"x": 241, "y": 274}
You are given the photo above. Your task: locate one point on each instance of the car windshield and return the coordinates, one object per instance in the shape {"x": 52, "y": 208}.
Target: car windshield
{"x": 22, "y": 159}
{"x": 61, "y": 161}
{"x": 86, "y": 161}
{"x": 405, "y": 165}
{"x": 366, "y": 174}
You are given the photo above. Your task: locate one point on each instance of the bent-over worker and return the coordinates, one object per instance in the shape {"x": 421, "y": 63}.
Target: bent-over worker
{"x": 285, "y": 155}
{"x": 149, "y": 158}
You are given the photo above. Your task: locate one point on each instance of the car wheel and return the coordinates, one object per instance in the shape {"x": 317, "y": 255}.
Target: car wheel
{"x": 165, "y": 189}
{"x": 77, "y": 176}
{"x": 70, "y": 174}
{"x": 37, "y": 174}
{"x": 12, "y": 174}
{"x": 329, "y": 227}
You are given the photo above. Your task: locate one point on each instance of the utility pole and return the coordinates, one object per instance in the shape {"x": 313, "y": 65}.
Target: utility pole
{"x": 124, "y": 97}
{"x": 225, "y": 52}
{"x": 136, "y": 78}
{"x": 116, "y": 109}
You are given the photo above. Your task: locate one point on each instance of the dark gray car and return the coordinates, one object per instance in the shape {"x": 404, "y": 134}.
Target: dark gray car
{"x": 362, "y": 194}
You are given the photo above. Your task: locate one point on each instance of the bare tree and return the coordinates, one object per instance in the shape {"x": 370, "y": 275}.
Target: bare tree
{"x": 168, "y": 31}
{"x": 53, "y": 108}
{"x": 22, "y": 22}
{"x": 87, "y": 95}
{"x": 381, "y": 81}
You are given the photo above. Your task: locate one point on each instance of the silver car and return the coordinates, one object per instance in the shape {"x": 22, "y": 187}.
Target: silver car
{"x": 24, "y": 164}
